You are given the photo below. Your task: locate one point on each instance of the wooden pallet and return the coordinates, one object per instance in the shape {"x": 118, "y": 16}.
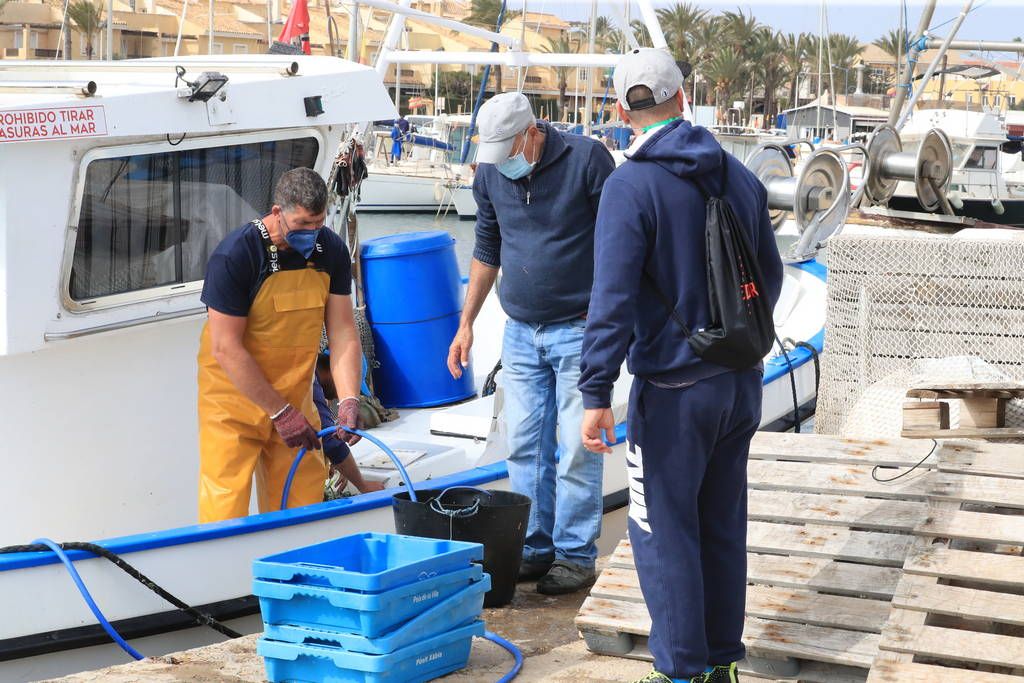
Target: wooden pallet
{"x": 827, "y": 545}
{"x": 982, "y": 410}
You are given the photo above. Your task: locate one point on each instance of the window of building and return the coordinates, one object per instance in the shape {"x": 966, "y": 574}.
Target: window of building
{"x": 984, "y": 100}
{"x": 218, "y": 48}
{"x": 19, "y": 39}
{"x": 152, "y": 220}
{"x": 240, "y": 49}
{"x": 970, "y": 99}
{"x": 1011, "y": 101}
{"x": 583, "y": 74}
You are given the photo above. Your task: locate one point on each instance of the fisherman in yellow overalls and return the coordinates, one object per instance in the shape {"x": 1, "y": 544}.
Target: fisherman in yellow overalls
{"x": 270, "y": 288}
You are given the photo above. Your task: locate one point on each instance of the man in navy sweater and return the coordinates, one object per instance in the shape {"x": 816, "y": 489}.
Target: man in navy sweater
{"x": 690, "y": 421}
{"x": 537, "y": 192}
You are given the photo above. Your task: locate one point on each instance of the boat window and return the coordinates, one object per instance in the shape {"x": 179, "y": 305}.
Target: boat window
{"x": 982, "y": 158}
{"x": 152, "y": 220}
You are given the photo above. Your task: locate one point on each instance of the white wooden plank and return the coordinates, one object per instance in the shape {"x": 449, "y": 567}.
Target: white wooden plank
{"x": 869, "y": 513}
{"x": 924, "y": 594}
{"x": 838, "y": 543}
{"x": 886, "y": 670}
{"x": 835, "y": 449}
{"x": 954, "y": 645}
{"x": 976, "y": 489}
{"x": 981, "y": 458}
{"x": 989, "y": 568}
{"x": 974, "y": 526}
{"x": 847, "y": 480}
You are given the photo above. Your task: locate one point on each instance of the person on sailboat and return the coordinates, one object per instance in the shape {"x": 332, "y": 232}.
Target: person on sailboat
{"x": 271, "y": 287}
{"x": 537, "y": 191}
{"x": 690, "y": 421}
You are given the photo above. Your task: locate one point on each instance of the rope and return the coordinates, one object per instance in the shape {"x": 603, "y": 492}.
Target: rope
{"x": 792, "y": 385}
{"x": 201, "y": 618}
{"x": 490, "y": 385}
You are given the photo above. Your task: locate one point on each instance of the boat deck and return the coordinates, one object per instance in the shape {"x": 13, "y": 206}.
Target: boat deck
{"x": 852, "y": 579}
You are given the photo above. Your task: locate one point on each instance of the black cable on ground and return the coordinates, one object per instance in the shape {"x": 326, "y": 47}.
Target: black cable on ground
{"x": 202, "y": 618}
{"x": 874, "y": 470}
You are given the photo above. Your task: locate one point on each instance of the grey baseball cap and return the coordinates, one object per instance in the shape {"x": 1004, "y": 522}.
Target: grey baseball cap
{"x": 500, "y": 119}
{"x": 649, "y": 67}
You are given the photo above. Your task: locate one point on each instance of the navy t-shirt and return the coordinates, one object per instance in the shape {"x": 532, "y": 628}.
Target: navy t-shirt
{"x": 239, "y": 265}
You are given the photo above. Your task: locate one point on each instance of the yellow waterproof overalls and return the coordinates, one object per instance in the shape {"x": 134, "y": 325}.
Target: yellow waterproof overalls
{"x": 236, "y": 437}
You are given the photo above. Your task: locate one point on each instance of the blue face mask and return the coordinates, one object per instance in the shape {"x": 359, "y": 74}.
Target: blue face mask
{"x": 302, "y": 241}
{"x": 516, "y": 167}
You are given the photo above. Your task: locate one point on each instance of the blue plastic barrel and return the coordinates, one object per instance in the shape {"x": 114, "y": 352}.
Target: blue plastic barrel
{"x": 413, "y": 302}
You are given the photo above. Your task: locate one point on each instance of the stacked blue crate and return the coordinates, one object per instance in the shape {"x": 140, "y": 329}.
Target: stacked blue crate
{"x": 370, "y": 608}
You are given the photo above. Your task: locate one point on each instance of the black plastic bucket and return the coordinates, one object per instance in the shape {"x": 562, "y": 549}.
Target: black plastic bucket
{"x": 497, "y": 519}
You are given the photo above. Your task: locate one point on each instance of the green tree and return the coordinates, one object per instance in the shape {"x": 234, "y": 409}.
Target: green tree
{"x": 456, "y": 87}
{"x": 85, "y": 18}
{"x": 607, "y": 37}
{"x": 769, "y": 67}
{"x": 727, "y": 70}
{"x": 565, "y": 45}
{"x": 680, "y": 22}
{"x": 795, "y": 49}
{"x": 485, "y": 13}
{"x": 2, "y": 3}
{"x": 643, "y": 36}
{"x": 706, "y": 37}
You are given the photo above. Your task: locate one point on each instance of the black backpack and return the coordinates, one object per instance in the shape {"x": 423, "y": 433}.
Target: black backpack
{"x": 741, "y": 330}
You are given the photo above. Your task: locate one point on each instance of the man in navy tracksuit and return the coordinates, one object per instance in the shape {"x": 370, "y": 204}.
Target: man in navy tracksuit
{"x": 690, "y": 421}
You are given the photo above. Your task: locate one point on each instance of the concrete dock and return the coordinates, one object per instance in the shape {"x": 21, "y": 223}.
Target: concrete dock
{"x": 542, "y": 627}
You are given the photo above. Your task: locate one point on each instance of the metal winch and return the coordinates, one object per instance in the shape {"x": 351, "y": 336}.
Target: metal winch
{"x": 818, "y": 199}
{"x": 930, "y": 168}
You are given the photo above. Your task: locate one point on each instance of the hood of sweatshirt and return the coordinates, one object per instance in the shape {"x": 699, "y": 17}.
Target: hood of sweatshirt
{"x": 681, "y": 149}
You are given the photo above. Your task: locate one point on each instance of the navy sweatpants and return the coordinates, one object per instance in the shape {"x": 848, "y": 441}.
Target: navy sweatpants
{"x": 687, "y": 467}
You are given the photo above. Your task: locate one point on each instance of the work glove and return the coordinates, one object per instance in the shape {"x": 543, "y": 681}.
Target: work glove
{"x": 348, "y": 416}
{"x": 295, "y": 430}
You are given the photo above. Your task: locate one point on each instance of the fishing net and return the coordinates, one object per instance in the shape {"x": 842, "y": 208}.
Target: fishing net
{"x": 906, "y": 307}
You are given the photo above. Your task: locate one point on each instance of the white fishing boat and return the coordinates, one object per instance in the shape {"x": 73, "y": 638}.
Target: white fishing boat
{"x": 985, "y": 184}
{"x": 116, "y": 182}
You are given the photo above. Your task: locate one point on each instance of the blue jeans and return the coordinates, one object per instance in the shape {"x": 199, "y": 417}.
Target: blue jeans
{"x": 543, "y": 412}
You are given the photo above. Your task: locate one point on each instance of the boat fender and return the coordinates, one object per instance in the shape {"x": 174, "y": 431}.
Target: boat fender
{"x": 998, "y": 207}
{"x": 955, "y": 200}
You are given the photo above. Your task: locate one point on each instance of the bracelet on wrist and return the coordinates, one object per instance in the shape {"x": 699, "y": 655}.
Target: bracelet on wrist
{"x": 280, "y": 412}
{"x": 348, "y": 398}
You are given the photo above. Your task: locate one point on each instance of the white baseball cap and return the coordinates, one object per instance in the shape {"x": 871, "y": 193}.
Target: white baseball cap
{"x": 650, "y": 67}
{"x": 500, "y": 119}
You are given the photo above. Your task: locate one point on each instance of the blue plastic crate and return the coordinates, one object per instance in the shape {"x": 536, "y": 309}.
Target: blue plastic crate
{"x": 417, "y": 663}
{"x": 368, "y": 562}
{"x": 458, "y": 610}
{"x": 367, "y": 614}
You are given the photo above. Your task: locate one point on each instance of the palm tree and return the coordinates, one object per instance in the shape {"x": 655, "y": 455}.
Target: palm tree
{"x": 564, "y": 44}
{"x": 894, "y": 44}
{"x": 85, "y": 18}
{"x": 606, "y": 36}
{"x": 706, "y": 37}
{"x": 769, "y": 66}
{"x": 485, "y": 13}
{"x": 679, "y": 23}
{"x": 2, "y": 3}
{"x": 727, "y": 69}
{"x": 643, "y": 36}
{"x": 796, "y": 51}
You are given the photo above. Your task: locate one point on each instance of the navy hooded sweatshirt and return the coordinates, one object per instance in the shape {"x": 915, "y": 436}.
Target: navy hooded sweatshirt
{"x": 651, "y": 220}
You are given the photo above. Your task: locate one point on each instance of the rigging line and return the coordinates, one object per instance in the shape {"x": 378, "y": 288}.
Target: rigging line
{"x": 63, "y": 27}
{"x": 950, "y": 21}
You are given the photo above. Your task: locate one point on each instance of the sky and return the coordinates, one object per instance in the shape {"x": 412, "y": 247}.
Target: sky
{"x": 867, "y": 19}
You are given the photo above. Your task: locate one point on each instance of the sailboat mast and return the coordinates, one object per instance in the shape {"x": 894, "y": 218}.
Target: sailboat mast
{"x": 908, "y": 75}
{"x": 588, "y": 107}
{"x": 821, "y": 41}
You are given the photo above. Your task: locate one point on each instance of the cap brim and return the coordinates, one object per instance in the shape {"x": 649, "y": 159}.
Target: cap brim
{"x": 494, "y": 152}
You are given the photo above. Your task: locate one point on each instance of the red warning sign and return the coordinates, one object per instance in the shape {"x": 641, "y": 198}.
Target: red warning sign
{"x": 18, "y": 125}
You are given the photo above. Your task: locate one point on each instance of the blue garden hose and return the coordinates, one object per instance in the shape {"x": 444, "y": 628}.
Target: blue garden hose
{"x": 372, "y": 439}
{"x": 111, "y": 631}
{"x": 495, "y": 638}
